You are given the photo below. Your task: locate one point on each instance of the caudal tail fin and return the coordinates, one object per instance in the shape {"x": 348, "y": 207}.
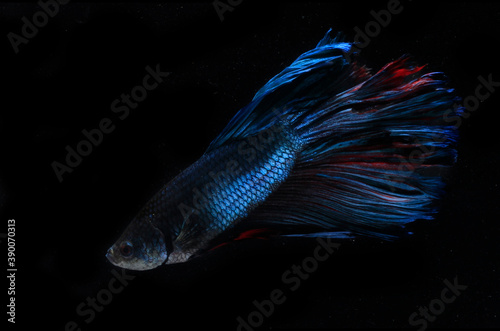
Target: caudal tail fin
{"x": 375, "y": 146}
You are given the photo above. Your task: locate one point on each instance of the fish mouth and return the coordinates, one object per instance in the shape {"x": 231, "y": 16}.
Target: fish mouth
{"x": 110, "y": 256}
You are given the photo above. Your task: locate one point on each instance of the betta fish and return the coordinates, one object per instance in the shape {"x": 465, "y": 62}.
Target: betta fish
{"x": 325, "y": 149}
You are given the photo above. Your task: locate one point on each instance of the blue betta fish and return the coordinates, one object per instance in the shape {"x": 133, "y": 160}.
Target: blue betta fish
{"x": 324, "y": 149}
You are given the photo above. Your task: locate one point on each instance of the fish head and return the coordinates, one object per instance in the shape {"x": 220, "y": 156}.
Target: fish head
{"x": 140, "y": 247}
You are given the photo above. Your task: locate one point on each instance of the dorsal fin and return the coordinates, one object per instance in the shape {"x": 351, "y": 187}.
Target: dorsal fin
{"x": 308, "y": 81}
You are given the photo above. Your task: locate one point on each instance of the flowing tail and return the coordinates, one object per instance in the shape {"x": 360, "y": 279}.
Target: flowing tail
{"x": 375, "y": 146}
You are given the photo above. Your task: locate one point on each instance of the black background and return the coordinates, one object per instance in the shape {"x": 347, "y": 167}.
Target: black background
{"x": 64, "y": 80}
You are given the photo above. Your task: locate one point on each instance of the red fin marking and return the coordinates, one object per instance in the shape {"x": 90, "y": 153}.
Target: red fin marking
{"x": 250, "y": 234}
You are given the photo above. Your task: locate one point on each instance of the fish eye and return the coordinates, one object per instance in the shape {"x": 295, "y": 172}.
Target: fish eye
{"x": 126, "y": 249}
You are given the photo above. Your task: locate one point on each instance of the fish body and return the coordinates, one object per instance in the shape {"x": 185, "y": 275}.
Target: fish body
{"x": 219, "y": 190}
{"x": 324, "y": 149}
